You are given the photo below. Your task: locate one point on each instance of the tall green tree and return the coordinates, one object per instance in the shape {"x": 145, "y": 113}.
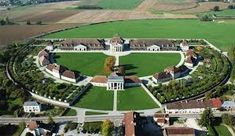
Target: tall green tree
{"x": 107, "y": 128}
{"x": 227, "y": 119}
{"x": 207, "y": 118}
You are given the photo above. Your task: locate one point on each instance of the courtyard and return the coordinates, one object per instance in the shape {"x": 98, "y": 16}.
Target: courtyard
{"x": 89, "y": 64}
{"x": 96, "y": 98}
{"x": 145, "y": 64}
{"x": 134, "y": 98}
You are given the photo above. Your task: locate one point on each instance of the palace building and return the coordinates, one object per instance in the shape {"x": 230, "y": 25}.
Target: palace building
{"x": 117, "y": 44}
{"x": 115, "y": 82}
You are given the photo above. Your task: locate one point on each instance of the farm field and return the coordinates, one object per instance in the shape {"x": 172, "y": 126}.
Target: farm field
{"x": 203, "y": 7}
{"x": 145, "y": 64}
{"x": 90, "y": 64}
{"x": 119, "y": 4}
{"x": 222, "y": 13}
{"x": 174, "y": 5}
{"x": 134, "y": 99}
{"x": 96, "y": 98}
{"x": 16, "y": 33}
{"x": 214, "y": 32}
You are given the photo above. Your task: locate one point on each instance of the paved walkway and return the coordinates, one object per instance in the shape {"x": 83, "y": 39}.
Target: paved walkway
{"x": 115, "y": 101}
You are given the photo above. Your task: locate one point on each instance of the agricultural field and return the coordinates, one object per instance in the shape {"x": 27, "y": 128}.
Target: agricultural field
{"x": 96, "y": 98}
{"x": 219, "y": 34}
{"x": 119, "y": 4}
{"x": 173, "y": 5}
{"x": 90, "y": 64}
{"x": 16, "y": 33}
{"x": 203, "y": 7}
{"x": 222, "y": 13}
{"x": 145, "y": 64}
{"x": 139, "y": 99}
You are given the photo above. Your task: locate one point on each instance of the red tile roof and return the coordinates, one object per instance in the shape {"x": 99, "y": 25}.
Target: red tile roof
{"x": 69, "y": 74}
{"x": 99, "y": 79}
{"x": 216, "y": 102}
{"x": 43, "y": 53}
{"x": 32, "y": 125}
{"x": 132, "y": 79}
{"x": 180, "y": 131}
{"x": 213, "y": 103}
{"x": 130, "y": 123}
{"x": 117, "y": 39}
{"x": 162, "y": 75}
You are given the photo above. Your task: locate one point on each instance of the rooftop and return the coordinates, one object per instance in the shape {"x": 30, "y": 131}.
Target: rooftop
{"x": 31, "y": 103}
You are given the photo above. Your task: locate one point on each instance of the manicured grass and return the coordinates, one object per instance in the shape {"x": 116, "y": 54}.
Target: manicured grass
{"x": 97, "y": 98}
{"x": 222, "y": 130}
{"x": 144, "y": 64}
{"x": 70, "y": 112}
{"x": 94, "y": 113}
{"x": 119, "y": 4}
{"x": 134, "y": 99}
{"x": 220, "y": 34}
{"x": 87, "y": 63}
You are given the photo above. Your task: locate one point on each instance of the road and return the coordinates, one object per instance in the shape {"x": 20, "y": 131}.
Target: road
{"x": 92, "y": 118}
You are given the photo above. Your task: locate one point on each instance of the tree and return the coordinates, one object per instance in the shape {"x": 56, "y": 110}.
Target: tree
{"x": 50, "y": 120}
{"x": 28, "y": 22}
{"x": 29, "y": 134}
{"x": 207, "y": 118}
{"x": 206, "y": 18}
{"x": 227, "y": 119}
{"x": 231, "y": 6}
{"x": 107, "y": 128}
{"x": 39, "y": 22}
{"x": 216, "y": 8}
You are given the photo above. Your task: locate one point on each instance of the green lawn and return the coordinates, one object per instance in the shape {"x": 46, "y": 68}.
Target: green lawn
{"x": 134, "y": 99}
{"x": 94, "y": 113}
{"x": 222, "y": 130}
{"x": 144, "y": 64}
{"x": 119, "y": 4}
{"x": 87, "y": 63}
{"x": 97, "y": 98}
{"x": 220, "y": 34}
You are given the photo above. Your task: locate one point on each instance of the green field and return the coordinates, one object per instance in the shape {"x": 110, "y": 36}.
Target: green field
{"x": 87, "y": 63}
{"x": 134, "y": 99}
{"x": 144, "y": 64}
{"x": 119, "y": 4}
{"x": 96, "y": 98}
{"x": 220, "y": 34}
{"x": 222, "y": 13}
{"x": 222, "y": 130}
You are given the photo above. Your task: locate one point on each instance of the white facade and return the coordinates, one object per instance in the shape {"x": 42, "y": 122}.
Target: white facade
{"x": 68, "y": 79}
{"x": 32, "y": 106}
{"x": 50, "y": 48}
{"x": 99, "y": 84}
{"x": 115, "y": 47}
{"x": 184, "y": 46}
{"x": 54, "y": 73}
{"x": 154, "y": 48}
{"x": 188, "y": 65}
{"x": 80, "y": 48}
{"x": 115, "y": 85}
{"x": 186, "y": 111}
{"x": 115, "y": 82}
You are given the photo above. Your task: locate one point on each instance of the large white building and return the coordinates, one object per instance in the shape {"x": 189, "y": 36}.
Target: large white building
{"x": 115, "y": 82}
{"x": 116, "y": 44}
{"x": 192, "y": 106}
{"x": 31, "y": 106}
